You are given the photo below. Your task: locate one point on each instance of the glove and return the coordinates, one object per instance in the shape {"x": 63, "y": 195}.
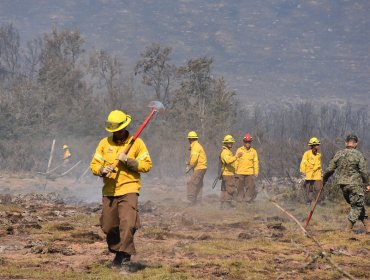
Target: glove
{"x": 105, "y": 170}
{"x": 122, "y": 157}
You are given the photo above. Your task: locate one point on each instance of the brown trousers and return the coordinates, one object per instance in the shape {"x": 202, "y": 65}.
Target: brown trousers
{"x": 119, "y": 221}
{"x": 227, "y": 188}
{"x": 312, "y": 188}
{"x": 195, "y": 185}
{"x": 246, "y": 188}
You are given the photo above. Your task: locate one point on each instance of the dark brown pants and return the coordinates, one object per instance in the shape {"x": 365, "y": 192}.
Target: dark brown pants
{"x": 312, "y": 188}
{"x": 195, "y": 185}
{"x": 119, "y": 221}
{"x": 246, "y": 188}
{"x": 227, "y": 188}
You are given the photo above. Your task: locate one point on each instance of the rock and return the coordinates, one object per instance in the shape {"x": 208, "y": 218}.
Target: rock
{"x": 10, "y": 230}
{"x": 61, "y": 250}
{"x": 204, "y": 237}
{"x": 276, "y": 226}
{"x": 245, "y": 235}
{"x": 32, "y": 225}
{"x": 64, "y": 227}
{"x": 87, "y": 236}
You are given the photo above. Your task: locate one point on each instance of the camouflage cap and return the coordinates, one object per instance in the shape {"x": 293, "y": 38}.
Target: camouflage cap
{"x": 351, "y": 137}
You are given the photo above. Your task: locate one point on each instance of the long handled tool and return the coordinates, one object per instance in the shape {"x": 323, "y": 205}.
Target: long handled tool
{"x": 314, "y": 205}
{"x": 156, "y": 106}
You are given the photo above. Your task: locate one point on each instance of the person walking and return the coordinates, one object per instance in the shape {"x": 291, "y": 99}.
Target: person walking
{"x": 351, "y": 176}
{"x": 121, "y": 185}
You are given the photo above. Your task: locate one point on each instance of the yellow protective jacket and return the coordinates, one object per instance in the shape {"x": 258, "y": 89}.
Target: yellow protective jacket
{"x": 311, "y": 166}
{"x": 67, "y": 154}
{"x": 198, "y": 159}
{"x": 247, "y": 164}
{"x": 127, "y": 178}
{"x": 228, "y": 161}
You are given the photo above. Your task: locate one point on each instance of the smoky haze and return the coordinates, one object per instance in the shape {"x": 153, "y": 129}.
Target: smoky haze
{"x": 283, "y": 71}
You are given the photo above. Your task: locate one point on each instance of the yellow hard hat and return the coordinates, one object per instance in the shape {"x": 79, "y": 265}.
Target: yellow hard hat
{"x": 65, "y": 146}
{"x": 313, "y": 141}
{"x": 228, "y": 139}
{"x": 116, "y": 121}
{"x": 192, "y": 135}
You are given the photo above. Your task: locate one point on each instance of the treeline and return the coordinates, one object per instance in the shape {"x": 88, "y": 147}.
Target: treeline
{"x": 52, "y": 87}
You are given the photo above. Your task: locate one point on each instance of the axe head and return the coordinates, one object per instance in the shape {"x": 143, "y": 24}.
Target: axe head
{"x": 157, "y": 106}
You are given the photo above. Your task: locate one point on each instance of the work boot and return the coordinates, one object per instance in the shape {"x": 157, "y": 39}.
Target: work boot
{"x": 120, "y": 258}
{"x": 367, "y": 225}
{"x": 349, "y": 226}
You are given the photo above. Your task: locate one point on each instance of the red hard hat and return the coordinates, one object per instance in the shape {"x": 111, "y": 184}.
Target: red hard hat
{"x": 248, "y": 138}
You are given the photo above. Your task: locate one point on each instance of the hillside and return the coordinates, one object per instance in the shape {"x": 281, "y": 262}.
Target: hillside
{"x": 275, "y": 49}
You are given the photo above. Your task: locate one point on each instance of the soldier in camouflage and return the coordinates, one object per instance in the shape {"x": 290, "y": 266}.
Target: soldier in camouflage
{"x": 351, "y": 175}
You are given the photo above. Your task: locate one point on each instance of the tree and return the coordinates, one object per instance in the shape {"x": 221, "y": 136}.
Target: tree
{"x": 156, "y": 70}
{"x": 9, "y": 48}
{"x": 32, "y": 57}
{"x": 108, "y": 70}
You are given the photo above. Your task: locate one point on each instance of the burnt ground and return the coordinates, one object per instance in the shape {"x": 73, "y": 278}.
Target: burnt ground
{"x": 54, "y": 233}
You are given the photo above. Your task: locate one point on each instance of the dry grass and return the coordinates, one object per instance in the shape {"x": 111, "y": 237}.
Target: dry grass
{"x": 203, "y": 242}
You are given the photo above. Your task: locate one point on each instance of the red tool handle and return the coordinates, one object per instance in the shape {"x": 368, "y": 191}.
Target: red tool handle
{"x": 314, "y": 206}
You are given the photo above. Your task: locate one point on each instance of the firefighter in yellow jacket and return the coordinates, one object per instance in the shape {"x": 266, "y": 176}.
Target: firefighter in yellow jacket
{"x": 246, "y": 170}
{"x": 119, "y": 219}
{"x": 311, "y": 169}
{"x": 197, "y": 162}
{"x": 66, "y": 155}
{"x": 228, "y": 160}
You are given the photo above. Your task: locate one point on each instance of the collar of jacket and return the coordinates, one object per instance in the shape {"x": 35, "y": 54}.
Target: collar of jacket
{"x": 121, "y": 143}
{"x": 248, "y": 150}
{"x": 193, "y": 143}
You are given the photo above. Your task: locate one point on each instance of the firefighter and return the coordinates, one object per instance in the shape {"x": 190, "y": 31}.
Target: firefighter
{"x": 66, "y": 155}
{"x": 246, "y": 170}
{"x": 228, "y": 160}
{"x": 311, "y": 169}
{"x": 198, "y": 163}
{"x": 119, "y": 219}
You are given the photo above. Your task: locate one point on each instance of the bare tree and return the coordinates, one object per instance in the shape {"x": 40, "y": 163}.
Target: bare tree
{"x": 9, "y": 48}
{"x": 156, "y": 70}
{"x": 32, "y": 57}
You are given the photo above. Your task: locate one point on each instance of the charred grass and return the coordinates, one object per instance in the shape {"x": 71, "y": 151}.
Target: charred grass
{"x": 254, "y": 241}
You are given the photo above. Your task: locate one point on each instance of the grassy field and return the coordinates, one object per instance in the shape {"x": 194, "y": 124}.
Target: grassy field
{"x": 47, "y": 240}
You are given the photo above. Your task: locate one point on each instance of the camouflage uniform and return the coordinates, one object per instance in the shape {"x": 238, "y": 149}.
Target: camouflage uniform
{"x": 351, "y": 175}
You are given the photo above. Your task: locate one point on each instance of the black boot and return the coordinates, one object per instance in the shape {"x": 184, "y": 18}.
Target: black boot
{"x": 120, "y": 258}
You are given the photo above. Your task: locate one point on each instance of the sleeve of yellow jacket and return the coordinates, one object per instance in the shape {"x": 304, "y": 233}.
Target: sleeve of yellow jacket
{"x": 194, "y": 154}
{"x": 98, "y": 160}
{"x": 256, "y": 163}
{"x": 302, "y": 167}
{"x": 143, "y": 158}
{"x": 227, "y": 157}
